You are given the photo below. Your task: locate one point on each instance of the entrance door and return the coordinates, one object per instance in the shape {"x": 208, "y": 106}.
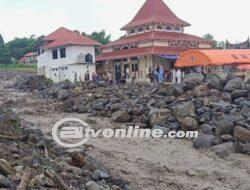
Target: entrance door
{"x": 117, "y": 67}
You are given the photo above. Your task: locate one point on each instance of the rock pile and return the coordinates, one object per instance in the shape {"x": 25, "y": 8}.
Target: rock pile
{"x": 34, "y": 162}
{"x": 218, "y": 108}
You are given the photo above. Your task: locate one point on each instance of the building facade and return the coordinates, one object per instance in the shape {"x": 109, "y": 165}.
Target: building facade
{"x": 28, "y": 59}
{"x": 153, "y": 38}
{"x": 66, "y": 55}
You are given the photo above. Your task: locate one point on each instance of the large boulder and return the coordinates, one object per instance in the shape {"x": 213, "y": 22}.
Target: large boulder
{"x": 241, "y": 134}
{"x": 189, "y": 124}
{"x": 121, "y": 117}
{"x": 244, "y": 148}
{"x": 192, "y": 80}
{"x": 201, "y": 91}
{"x": 4, "y": 182}
{"x": 234, "y": 84}
{"x": 186, "y": 109}
{"x": 63, "y": 95}
{"x": 225, "y": 126}
{"x": 239, "y": 94}
{"x": 245, "y": 110}
{"x": 205, "y": 141}
{"x": 224, "y": 149}
{"x": 214, "y": 83}
{"x": 159, "y": 117}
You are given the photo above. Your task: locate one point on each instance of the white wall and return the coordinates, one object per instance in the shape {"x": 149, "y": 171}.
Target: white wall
{"x": 70, "y": 61}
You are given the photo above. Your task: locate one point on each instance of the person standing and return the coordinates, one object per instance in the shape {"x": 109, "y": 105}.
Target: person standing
{"x": 161, "y": 74}
{"x": 179, "y": 75}
{"x": 173, "y": 76}
{"x": 133, "y": 77}
{"x": 156, "y": 73}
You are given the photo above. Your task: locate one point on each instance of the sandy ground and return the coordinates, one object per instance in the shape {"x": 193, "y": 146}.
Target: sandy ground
{"x": 148, "y": 164}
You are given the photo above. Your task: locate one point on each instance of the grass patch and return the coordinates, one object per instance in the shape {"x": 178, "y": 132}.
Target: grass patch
{"x": 19, "y": 67}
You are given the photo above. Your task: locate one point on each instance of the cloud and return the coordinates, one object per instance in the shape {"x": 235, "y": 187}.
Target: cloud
{"x": 26, "y": 22}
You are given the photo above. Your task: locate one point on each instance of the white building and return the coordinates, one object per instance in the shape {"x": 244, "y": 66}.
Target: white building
{"x": 66, "y": 55}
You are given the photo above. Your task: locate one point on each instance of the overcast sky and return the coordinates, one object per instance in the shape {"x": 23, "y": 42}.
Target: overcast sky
{"x": 225, "y": 19}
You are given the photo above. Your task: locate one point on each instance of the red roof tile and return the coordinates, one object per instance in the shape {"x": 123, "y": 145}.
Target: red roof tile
{"x": 153, "y": 50}
{"x": 63, "y": 37}
{"x": 29, "y": 54}
{"x": 155, "y": 11}
{"x": 156, "y": 35}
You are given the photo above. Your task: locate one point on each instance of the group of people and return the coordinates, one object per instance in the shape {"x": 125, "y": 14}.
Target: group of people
{"x": 159, "y": 75}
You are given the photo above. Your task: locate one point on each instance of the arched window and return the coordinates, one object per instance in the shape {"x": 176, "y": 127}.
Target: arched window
{"x": 159, "y": 27}
{"x": 132, "y": 31}
{"x": 141, "y": 29}
{"x": 88, "y": 58}
{"x": 125, "y": 47}
{"x": 168, "y": 28}
{"x": 177, "y": 28}
{"x": 148, "y": 27}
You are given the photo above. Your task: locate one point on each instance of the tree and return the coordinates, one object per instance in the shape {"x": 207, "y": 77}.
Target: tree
{"x": 20, "y": 46}
{"x": 216, "y": 44}
{"x": 101, "y": 37}
{"x": 4, "y": 53}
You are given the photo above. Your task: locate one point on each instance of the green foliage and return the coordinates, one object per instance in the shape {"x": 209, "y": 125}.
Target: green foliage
{"x": 14, "y": 66}
{"x": 20, "y": 46}
{"x": 4, "y": 53}
{"x": 101, "y": 37}
{"x": 216, "y": 44}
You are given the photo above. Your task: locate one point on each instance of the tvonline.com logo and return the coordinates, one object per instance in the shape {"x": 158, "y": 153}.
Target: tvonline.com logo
{"x": 74, "y": 132}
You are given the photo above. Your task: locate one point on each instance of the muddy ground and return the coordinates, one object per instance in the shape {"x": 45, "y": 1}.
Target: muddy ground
{"x": 149, "y": 164}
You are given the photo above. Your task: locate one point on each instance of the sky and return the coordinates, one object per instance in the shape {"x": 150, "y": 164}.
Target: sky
{"x": 224, "y": 19}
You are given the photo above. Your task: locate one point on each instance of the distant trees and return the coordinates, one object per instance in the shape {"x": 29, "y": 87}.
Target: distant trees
{"x": 216, "y": 44}
{"x": 20, "y": 46}
{"x": 4, "y": 53}
{"x": 101, "y": 36}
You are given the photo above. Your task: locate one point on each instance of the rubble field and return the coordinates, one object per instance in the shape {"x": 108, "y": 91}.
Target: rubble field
{"x": 219, "y": 108}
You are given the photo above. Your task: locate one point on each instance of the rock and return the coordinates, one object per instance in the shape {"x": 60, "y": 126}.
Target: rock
{"x": 5, "y": 168}
{"x": 192, "y": 80}
{"x": 159, "y": 117}
{"x": 63, "y": 95}
{"x": 201, "y": 91}
{"x": 226, "y": 138}
{"x": 220, "y": 104}
{"x": 185, "y": 110}
{"x": 96, "y": 175}
{"x": 239, "y": 94}
{"x": 207, "y": 129}
{"x": 189, "y": 124}
{"x": 225, "y": 126}
{"x": 245, "y": 111}
{"x": 121, "y": 117}
{"x": 165, "y": 130}
{"x": 224, "y": 149}
{"x": 77, "y": 160}
{"x": 91, "y": 185}
{"x": 175, "y": 90}
{"x": 234, "y": 84}
{"x": 205, "y": 141}
{"x": 214, "y": 83}
{"x": 241, "y": 135}
{"x": 244, "y": 148}
{"x": 33, "y": 138}
{"x": 4, "y": 182}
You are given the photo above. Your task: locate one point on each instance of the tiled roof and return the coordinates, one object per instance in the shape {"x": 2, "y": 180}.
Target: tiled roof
{"x": 156, "y": 35}
{"x": 63, "y": 36}
{"x": 155, "y": 11}
{"x": 153, "y": 50}
{"x": 29, "y": 54}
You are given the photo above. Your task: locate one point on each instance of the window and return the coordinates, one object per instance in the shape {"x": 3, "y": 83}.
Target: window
{"x": 148, "y": 27}
{"x": 141, "y": 29}
{"x": 159, "y": 27}
{"x": 177, "y": 28}
{"x": 89, "y": 58}
{"x": 135, "y": 67}
{"x": 54, "y": 54}
{"x": 132, "y": 31}
{"x": 125, "y": 47}
{"x": 168, "y": 28}
{"x": 62, "y": 52}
